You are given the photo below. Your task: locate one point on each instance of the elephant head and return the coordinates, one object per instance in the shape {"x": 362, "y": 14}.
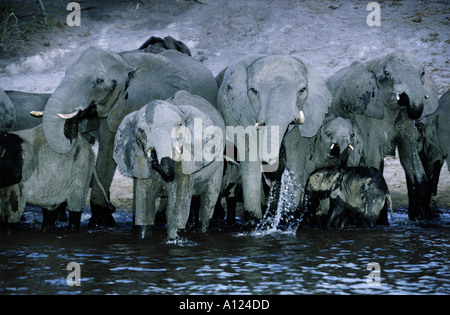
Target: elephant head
{"x": 160, "y": 135}
{"x": 92, "y": 85}
{"x": 397, "y": 81}
{"x": 337, "y": 143}
{"x": 277, "y": 92}
{"x": 107, "y": 85}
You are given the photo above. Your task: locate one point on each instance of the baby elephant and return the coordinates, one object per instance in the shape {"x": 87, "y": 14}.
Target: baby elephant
{"x": 336, "y": 196}
{"x": 31, "y": 172}
{"x": 172, "y": 148}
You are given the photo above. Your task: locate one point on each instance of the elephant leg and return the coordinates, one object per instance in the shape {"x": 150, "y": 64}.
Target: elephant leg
{"x": 419, "y": 192}
{"x": 62, "y": 215}
{"x": 178, "y": 206}
{"x": 145, "y": 191}
{"x": 251, "y": 189}
{"x": 74, "y": 220}
{"x": 336, "y": 213}
{"x": 231, "y": 209}
{"x": 194, "y": 215}
{"x": 209, "y": 199}
{"x": 48, "y": 219}
{"x": 434, "y": 178}
{"x": 105, "y": 167}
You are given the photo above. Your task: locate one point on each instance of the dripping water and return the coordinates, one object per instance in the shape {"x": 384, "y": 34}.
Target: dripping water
{"x": 281, "y": 206}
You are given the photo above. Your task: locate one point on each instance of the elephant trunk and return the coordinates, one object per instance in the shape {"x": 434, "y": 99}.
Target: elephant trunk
{"x": 61, "y": 115}
{"x": 271, "y": 138}
{"x": 162, "y": 156}
{"x": 412, "y": 99}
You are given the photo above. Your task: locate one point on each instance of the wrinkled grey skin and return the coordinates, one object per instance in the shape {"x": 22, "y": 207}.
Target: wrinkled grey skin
{"x": 382, "y": 98}
{"x": 337, "y": 143}
{"x": 229, "y": 189}
{"x": 7, "y": 113}
{"x": 25, "y": 103}
{"x": 433, "y": 141}
{"x": 110, "y": 85}
{"x": 29, "y": 108}
{"x": 148, "y": 145}
{"x": 42, "y": 177}
{"x": 270, "y": 91}
{"x": 336, "y": 196}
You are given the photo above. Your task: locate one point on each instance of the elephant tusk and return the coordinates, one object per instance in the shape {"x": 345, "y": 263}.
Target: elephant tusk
{"x": 178, "y": 153}
{"x": 397, "y": 96}
{"x": 37, "y": 113}
{"x": 177, "y": 148}
{"x": 351, "y": 147}
{"x": 332, "y": 146}
{"x": 259, "y": 124}
{"x": 301, "y": 118}
{"x": 69, "y": 116}
{"x": 426, "y": 96}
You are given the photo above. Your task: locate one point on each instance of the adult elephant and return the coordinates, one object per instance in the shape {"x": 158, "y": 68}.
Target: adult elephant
{"x": 383, "y": 98}
{"x": 274, "y": 99}
{"x": 111, "y": 85}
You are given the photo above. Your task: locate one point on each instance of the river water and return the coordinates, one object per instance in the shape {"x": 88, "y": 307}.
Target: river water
{"x": 412, "y": 259}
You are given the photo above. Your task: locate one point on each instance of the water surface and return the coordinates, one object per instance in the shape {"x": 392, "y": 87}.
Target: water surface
{"x": 413, "y": 260}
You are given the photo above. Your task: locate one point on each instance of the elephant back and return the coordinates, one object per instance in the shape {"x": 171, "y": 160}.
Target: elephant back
{"x": 201, "y": 78}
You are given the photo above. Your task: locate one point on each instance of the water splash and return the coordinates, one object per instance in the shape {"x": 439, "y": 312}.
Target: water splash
{"x": 280, "y": 217}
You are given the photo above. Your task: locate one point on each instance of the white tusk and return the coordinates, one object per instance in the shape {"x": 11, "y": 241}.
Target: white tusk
{"x": 259, "y": 124}
{"x": 36, "y": 113}
{"x": 332, "y": 146}
{"x": 351, "y": 147}
{"x": 301, "y": 118}
{"x": 426, "y": 96}
{"x": 177, "y": 148}
{"x": 69, "y": 116}
{"x": 397, "y": 96}
{"x": 149, "y": 153}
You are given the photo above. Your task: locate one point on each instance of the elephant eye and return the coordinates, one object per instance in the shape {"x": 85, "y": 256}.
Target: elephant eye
{"x": 140, "y": 130}
{"x": 352, "y": 135}
{"x": 99, "y": 81}
{"x": 386, "y": 72}
{"x": 302, "y": 90}
{"x": 328, "y": 133}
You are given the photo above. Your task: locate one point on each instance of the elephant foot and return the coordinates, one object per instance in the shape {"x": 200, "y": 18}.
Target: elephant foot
{"x": 144, "y": 231}
{"x": 74, "y": 220}
{"x": 250, "y": 220}
{"x": 48, "y": 220}
{"x": 61, "y": 211}
{"x": 101, "y": 216}
{"x": 420, "y": 214}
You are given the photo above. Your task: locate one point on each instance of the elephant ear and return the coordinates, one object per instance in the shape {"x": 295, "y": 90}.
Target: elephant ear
{"x": 129, "y": 157}
{"x": 355, "y": 90}
{"x": 431, "y": 89}
{"x": 202, "y": 141}
{"x": 7, "y": 113}
{"x": 17, "y": 160}
{"x": 317, "y": 103}
{"x": 232, "y": 99}
{"x": 153, "y": 77}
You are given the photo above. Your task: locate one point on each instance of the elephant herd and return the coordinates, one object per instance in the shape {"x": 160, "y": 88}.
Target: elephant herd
{"x": 190, "y": 138}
